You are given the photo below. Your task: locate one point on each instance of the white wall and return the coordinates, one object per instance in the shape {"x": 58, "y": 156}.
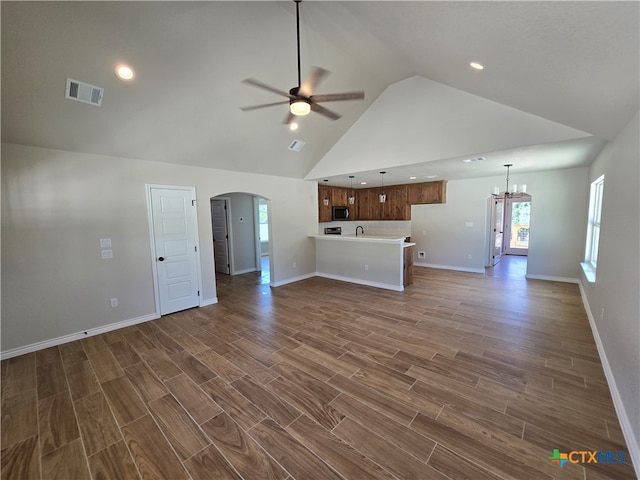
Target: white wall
{"x": 617, "y": 285}
{"x": 56, "y": 205}
{"x": 243, "y": 233}
{"x": 558, "y": 207}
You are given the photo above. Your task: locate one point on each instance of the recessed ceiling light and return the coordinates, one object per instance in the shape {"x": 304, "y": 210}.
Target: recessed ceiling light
{"x": 363, "y": 183}
{"x": 431, "y": 177}
{"x": 476, "y": 65}
{"x": 293, "y": 126}
{"x": 125, "y": 72}
{"x": 474, "y": 159}
{"x": 412, "y": 178}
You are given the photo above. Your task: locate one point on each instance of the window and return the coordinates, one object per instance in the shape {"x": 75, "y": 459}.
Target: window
{"x": 593, "y": 229}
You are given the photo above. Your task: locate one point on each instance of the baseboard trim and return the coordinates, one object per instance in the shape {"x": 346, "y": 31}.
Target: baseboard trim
{"x": 209, "y": 301}
{"x": 245, "y": 270}
{"x": 292, "y": 280}
{"x": 449, "y": 267}
{"x": 14, "y": 352}
{"x": 633, "y": 444}
{"x": 550, "y": 278}
{"x": 386, "y": 286}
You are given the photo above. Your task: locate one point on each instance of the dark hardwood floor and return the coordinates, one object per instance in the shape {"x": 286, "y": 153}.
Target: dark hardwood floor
{"x": 461, "y": 376}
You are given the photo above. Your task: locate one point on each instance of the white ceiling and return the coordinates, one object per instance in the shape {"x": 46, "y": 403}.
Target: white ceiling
{"x": 573, "y": 63}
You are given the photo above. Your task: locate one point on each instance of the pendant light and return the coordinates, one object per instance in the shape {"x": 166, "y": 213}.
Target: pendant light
{"x": 383, "y": 196}
{"x": 515, "y": 189}
{"x": 352, "y": 198}
{"x": 325, "y": 200}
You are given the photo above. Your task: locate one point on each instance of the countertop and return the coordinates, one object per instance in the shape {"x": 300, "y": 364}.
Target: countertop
{"x": 366, "y": 238}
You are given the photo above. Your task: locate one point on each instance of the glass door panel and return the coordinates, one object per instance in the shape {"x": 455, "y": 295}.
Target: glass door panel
{"x": 518, "y": 214}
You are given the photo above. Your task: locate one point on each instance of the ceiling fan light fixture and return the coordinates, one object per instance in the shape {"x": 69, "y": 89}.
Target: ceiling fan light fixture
{"x": 299, "y": 107}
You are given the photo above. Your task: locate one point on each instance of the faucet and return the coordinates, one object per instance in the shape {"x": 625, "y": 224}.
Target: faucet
{"x": 359, "y": 226}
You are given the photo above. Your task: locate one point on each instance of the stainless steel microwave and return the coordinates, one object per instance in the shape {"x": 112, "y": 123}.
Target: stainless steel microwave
{"x": 339, "y": 213}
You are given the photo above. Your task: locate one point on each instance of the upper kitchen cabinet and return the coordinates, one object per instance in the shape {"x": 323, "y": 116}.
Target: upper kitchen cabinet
{"x": 396, "y": 206}
{"x": 428, "y": 192}
{"x": 362, "y": 208}
{"x": 367, "y": 206}
{"x": 339, "y": 196}
{"x": 324, "y": 203}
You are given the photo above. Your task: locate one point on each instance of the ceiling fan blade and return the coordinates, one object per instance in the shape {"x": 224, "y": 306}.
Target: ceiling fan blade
{"x": 311, "y": 82}
{"x": 264, "y": 105}
{"x": 264, "y": 86}
{"x": 337, "y": 97}
{"x": 324, "y": 111}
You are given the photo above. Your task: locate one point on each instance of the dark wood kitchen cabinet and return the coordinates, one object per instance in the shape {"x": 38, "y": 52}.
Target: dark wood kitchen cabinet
{"x": 339, "y": 196}
{"x": 367, "y": 204}
{"x": 407, "y": 267}
{"x": 427, "y": 192}
{"x": 396, "y": 206}
{"x": 324, "y": 203}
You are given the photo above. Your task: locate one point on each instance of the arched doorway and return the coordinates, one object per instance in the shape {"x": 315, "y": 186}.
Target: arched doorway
{"x": 241, "y": 240}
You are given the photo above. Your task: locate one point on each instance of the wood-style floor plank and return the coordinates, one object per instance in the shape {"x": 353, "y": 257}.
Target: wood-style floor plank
{"x": 210, "y": 463}
{"x": 97, "y": 425}
{"x": 151, "y": 452}
{"x": 247, "y": 457}
{"x": 113, "y": 462}
{"x": 21, "y": 460}
{"x": 461, "y": 376}
{"x": 181, "y": 431}
{"x": 290, "y": 453}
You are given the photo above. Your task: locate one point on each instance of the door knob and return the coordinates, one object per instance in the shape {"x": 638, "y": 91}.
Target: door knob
{"x": 161, "y": 259}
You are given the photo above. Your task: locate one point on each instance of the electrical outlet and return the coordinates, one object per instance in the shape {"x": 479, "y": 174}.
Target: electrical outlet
{"x": 421, "y": 255}
{"x": 114, "y": 302}
{"x": 105, "y": 254}
{"x": 295, "y": 265}
{"x": 366, "y": 268}
{"x": 469, "y": 256}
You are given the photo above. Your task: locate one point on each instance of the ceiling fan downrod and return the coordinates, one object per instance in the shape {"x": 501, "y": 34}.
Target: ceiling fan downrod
{"x": 298, "y": 40}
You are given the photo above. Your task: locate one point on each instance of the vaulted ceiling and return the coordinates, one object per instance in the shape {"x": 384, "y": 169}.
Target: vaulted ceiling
{"x": 571, "y": 69}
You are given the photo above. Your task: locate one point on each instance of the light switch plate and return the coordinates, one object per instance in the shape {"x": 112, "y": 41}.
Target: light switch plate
{"x": 106, "y": 254}
{"x": 105, "y": 242}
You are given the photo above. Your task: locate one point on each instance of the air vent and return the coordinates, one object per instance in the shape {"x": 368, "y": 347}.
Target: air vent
{"x": 296, "y": 145}
{"x": 475, "y": 159}
{"x": 83, "y": 92}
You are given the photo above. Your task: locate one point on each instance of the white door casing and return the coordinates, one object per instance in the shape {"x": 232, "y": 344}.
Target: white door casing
{"x": 174, "y": 243}
{"x": 497, "y": 235}
{"x": 220, "y": 236}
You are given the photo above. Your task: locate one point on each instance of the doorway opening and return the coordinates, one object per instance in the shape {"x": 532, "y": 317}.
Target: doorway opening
{"x": 516, "y": 225}
{"x": 241, "y": 240}
{"x": 509, "y": 227}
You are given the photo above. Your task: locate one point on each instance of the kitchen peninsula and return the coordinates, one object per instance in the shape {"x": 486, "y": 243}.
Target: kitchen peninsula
{"x": 374, "y": 260}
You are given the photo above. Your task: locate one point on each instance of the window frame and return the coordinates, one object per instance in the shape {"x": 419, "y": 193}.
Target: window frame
{"x": 596, "y": 196}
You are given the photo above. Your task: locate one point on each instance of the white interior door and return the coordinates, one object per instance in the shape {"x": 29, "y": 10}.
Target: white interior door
{"x": 497, "y": 232}
{"x": 220, "y": 236}
{"x": 175, "y": 240}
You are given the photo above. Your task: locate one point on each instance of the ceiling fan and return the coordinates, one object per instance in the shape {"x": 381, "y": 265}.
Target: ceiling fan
{"x": 301, "y": 99}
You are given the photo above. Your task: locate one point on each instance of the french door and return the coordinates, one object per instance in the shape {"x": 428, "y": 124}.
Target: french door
{"x": 516, "y": 225}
